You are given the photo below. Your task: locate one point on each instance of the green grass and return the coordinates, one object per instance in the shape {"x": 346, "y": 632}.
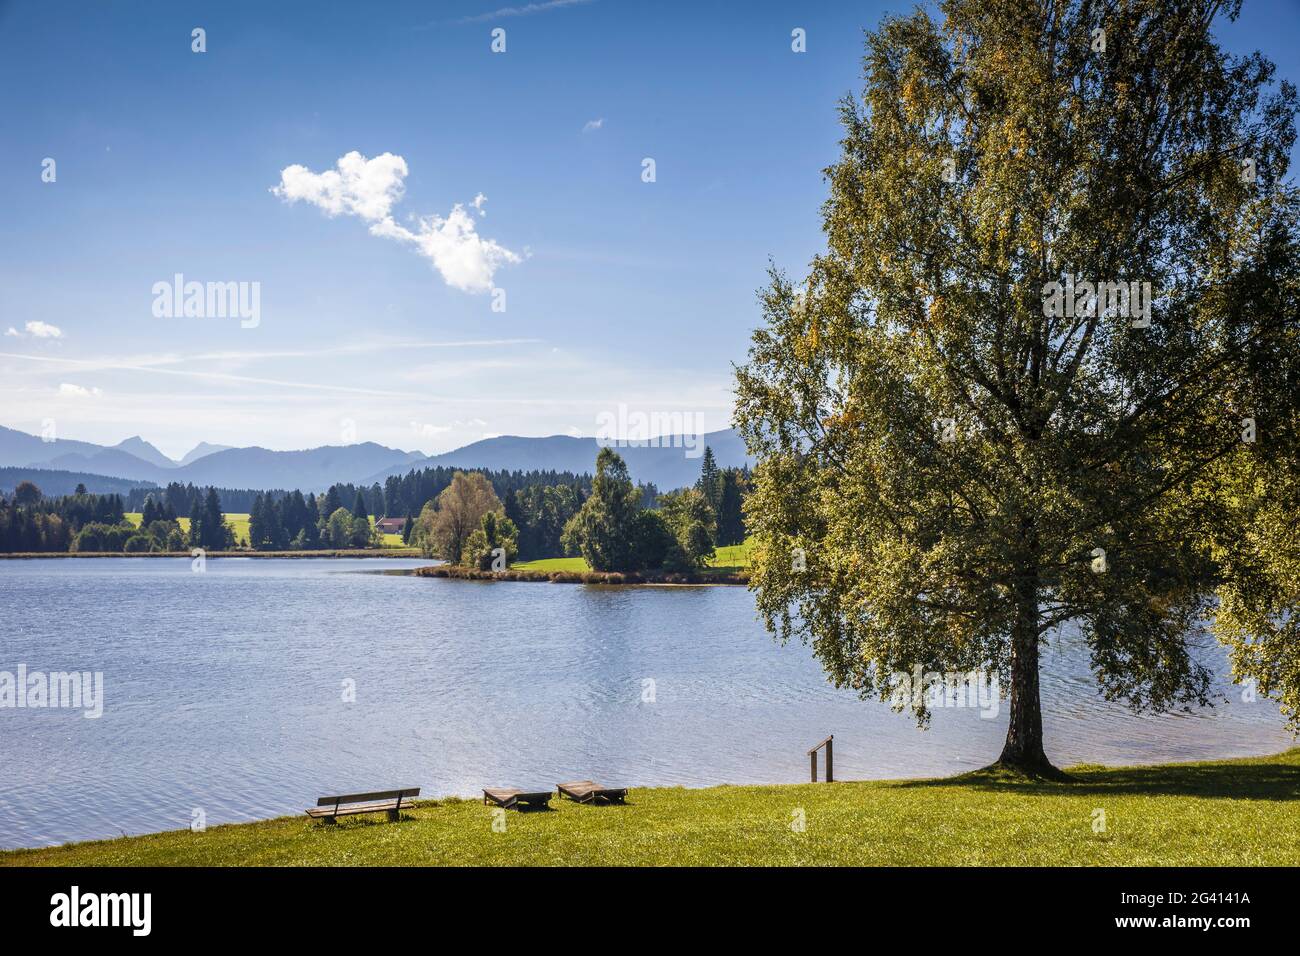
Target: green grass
{"x": 733, "y": 558}
{"x": 733, "y": 555}
{"x": 237, "y": 522}
{"x": 1230, "y": 813}
{"x": 553, "y": 564}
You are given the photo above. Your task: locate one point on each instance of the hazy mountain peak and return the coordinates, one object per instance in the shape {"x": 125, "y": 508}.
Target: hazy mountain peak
{"x": 135, "y": 445}
{"x": 202, "y": 449}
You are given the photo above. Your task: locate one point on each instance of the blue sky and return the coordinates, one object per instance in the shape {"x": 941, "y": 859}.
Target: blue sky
{"x": 623, "y": 291}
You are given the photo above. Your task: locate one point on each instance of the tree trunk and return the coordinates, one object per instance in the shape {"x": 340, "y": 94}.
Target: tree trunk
{"x": 1023, "y": 750}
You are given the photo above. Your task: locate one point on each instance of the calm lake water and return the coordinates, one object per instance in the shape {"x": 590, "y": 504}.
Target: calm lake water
{"x": 223, "y": 691}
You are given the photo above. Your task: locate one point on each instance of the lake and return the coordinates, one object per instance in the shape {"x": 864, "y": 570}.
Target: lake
{"x": 224, "y": 691}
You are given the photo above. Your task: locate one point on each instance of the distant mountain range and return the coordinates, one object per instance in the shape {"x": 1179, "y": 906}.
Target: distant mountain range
{"x": 667, "y": 467}
{"x": 56, "y": 483}
{"x": 670, "y": 465}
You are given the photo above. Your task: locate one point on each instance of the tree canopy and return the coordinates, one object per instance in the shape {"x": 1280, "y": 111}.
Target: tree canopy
{"x": 446, "y": 524}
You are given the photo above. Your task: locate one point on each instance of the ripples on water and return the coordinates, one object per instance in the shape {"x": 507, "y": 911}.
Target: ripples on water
{"x": 224, "y": 692}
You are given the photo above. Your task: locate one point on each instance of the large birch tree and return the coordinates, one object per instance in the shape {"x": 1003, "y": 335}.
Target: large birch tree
{"x": 1045, "y": 370}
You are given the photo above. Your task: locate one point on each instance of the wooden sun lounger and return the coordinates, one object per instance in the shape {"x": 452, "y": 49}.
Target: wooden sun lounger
{"x": 512, "y": 797}
{"x": 588, "y": 791}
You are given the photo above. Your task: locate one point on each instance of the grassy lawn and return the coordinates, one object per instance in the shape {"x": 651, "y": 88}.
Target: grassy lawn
{"x": 237, "y": 522}
{"x": 733, "y": 557}
{"x": 553, "y": 564}
{"x": 1231, "y": 812}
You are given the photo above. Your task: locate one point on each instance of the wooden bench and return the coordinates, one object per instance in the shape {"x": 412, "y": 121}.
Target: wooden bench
{"x": 511, "y": 797}
{"x": 379, "y": 801}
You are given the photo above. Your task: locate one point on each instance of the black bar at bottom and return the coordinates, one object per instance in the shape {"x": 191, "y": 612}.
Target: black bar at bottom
{"x": 255, "y": 905}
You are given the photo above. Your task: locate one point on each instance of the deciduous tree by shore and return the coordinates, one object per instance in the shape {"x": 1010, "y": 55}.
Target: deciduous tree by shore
{"x": 955, "y": 459}
{"x": 445, "y": 524}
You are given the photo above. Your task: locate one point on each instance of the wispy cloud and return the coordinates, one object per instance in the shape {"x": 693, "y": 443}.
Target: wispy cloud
{"x": 592, "y": 125}
{"x": 239, "y": 357}
{"x": 351, "y": 348}
{"x": 368, "y": 188}
{"x": 237, "y": 395}
{"x": 96, "y": 365}
{"x": 77, "y": 391}
{"x": 526, "y": 10}
{"x": 157, "y": 366}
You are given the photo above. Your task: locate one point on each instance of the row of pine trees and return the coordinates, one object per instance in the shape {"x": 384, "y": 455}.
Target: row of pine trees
{"x": 308, "y": 523}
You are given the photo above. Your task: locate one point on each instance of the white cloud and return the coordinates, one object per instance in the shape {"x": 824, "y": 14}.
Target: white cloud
{"x": 595, "y": 124}
{"x": 466, "y": 260}
{"x": 368, "y": 188}
{"x": 39, "y": 330}
{"x": 359, "y": 186}
{"x": 67, "y": 390}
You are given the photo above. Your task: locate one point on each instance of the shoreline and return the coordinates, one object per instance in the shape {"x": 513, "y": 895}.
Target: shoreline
{"x": 448, "y": 572}
{"x": 663, "y": 579}
{"x": 331, "y": 553}
{"x": 1231, "y": 810}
